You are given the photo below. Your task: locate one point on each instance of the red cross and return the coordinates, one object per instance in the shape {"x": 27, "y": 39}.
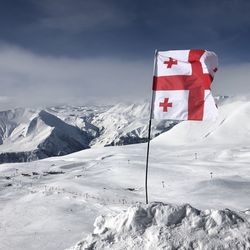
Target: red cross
{"x": 170, "y": 62}
{"x": 196, "y": 83}
{"x": 165, "y": 104}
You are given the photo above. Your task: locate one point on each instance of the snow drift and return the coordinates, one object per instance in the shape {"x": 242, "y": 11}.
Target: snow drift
{"x": 166, "y": 226}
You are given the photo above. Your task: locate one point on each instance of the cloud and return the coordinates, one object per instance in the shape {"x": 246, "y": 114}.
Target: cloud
{"x": 127, "y": 28}
{"x": 4, "y": 99}
{"x": 233, "y": 79}
{"x": 78, "y": 15}
{"x": 30, "y": 79}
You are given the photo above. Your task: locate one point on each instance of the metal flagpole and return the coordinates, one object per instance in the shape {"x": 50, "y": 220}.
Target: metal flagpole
{"x": 146, "y": 176}
{"x": 149, "y": 136}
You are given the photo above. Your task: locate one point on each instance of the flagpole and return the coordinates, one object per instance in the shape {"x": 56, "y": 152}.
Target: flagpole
{"x": 149, "y": 136}
{"x": 146, "y": 176}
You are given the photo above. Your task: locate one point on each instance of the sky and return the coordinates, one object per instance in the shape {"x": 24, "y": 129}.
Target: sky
{"x": 78, "y": 51}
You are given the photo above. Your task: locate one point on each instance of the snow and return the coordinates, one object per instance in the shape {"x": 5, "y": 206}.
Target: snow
{"x": 29, "y": 134}
{"x": 53, "y": 203}
{"x": 167, "y": 226}
{"x": 232, "y": 126}
{"x": 30, "y": 129}
{"x": 124, "y": 123}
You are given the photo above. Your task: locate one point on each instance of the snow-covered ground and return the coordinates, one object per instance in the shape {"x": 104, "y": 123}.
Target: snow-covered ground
{"x": 53, "y": 203}
{"x": 166, "y": 226}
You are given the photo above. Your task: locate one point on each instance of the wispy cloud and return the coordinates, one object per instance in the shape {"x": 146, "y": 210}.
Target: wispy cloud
{"x": 28, "y": 79}
{"x": 233, "y": 79}
{"x": 31, "y": 79}
{"x": 78, "y": 15}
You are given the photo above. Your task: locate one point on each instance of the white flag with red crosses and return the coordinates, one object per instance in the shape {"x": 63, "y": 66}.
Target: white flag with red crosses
{"x": 182, "y": 85}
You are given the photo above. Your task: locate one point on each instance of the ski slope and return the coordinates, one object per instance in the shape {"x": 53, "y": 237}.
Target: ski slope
{"x": 53, "y": 203}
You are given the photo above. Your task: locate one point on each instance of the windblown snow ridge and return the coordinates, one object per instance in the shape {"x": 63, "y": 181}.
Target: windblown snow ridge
{"x": 167, "y": 226}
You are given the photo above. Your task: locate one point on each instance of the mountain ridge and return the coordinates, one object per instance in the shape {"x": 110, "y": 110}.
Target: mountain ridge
{"x": 30, "y": 134}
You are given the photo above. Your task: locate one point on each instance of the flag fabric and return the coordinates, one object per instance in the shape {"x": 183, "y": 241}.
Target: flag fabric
{"x": 182, "y": 85}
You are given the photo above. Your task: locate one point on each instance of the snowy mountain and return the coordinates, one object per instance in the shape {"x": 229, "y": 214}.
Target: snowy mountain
{"x": 28, "y": 134}
{"x": 125, "y": 124}
{"x": 53, "y": 203}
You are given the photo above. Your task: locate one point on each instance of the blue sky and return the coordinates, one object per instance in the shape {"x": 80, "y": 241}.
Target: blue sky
{"x": 108, "y": 43}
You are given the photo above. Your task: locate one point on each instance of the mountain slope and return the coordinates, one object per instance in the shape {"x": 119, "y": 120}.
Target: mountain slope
{"x": 232, "y": 126}
{"x": 28, "y": 134}
{"x": 52, "y": 203}
{"x": 42, "y": 136}
{"x": 125, "y": 124}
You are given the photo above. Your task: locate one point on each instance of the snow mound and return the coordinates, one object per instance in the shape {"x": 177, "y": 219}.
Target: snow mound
{"x": 167, "y": 226}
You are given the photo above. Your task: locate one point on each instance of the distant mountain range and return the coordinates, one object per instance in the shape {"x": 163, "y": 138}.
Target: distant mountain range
{"x": 31, "y": 134}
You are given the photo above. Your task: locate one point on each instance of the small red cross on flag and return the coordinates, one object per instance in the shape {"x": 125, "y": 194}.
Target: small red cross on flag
{"x": 170, "y": 62}
{"x": 165, "y": 105}
{"x": 182, "y": 85}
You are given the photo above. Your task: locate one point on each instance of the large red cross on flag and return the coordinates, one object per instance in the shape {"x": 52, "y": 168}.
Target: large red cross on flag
{"x": 181, "y": 85}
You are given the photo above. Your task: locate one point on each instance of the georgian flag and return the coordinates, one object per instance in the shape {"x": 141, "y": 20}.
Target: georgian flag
{"x": 181, "y": 85}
